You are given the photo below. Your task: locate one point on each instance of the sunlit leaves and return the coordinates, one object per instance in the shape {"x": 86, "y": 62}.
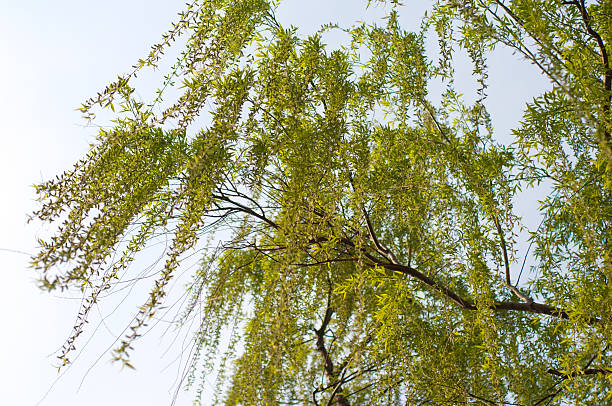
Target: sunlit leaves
{"x": 365, "y": 236}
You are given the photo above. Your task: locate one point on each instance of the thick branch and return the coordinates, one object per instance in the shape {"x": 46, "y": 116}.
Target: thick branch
{"x": 450, "y": 294}
{"x": 467, "y": 304}
{"x": 464, "y": 303}
{"x": 586, "y": 371}
{"x": 327, "y": 361}
{"x": 586, "y": 19}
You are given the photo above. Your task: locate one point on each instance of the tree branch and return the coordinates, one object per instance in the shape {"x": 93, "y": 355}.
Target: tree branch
{"x": 246, "y": 210}
{"x": 513, "y": 288}
{"x": 586, "y": 19}
{"x": 580, "y": 5}
{"x": 586, "y": 371}
{"x": 383, "y": 250}
{"x": 328, "y": 364}
{"x": 464, "y": 303}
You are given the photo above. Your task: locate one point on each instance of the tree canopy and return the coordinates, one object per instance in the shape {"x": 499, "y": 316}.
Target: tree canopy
{"x": 358, "y": 237}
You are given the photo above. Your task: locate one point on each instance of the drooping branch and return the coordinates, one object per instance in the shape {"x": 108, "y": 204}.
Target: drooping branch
{"x": 386, "y": 263}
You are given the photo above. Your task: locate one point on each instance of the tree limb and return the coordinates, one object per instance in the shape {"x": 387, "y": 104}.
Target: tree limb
{"x": 513, "y": 288}
{"x": 464, "y": 303}
{"x": 586, "y": 371}
{"x": 383, "y": 250}
{"x": 328, "y": 364}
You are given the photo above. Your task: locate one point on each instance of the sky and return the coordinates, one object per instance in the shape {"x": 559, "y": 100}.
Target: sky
{"x": 53, "y": 56}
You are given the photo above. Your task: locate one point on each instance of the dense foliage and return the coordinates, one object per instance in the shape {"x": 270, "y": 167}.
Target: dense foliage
{"x": 368, "y": 244}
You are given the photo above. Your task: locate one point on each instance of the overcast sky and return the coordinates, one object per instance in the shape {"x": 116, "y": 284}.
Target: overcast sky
{"x": 54, "y": 55}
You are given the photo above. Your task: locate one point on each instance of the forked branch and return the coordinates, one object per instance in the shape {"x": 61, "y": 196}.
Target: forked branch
{"x": 513, "y": 288}
{"x": 328, "y": 364}
{"x": 390, "y": 262}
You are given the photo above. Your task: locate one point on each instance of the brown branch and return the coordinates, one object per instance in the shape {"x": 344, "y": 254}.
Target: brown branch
{"x": 513, "y": 288}
{"x": 528, "y": 306}
{"x": 335, "y": 396}
{"x": 551, "y": 395}
{"x": 380, "y": 248}
{"x": 533, "y": 307}
{"x": 246, "y": 210}
{"x": 464, "y": 303}
{"x": 605, "y": 60}
{"x": 351, "y": 377}
{"x": 320, "y": 332}
{"x": 328, "y": 364}
{"x": 383, "y": 250}
{"x": 449, "y": 293}
{"x": 586, "y": 371}
{"x": 586, "y": 19}
{"x": 595, "y": 356}
{"x": 580, "y": 5}
{"x": 430, "y": 110}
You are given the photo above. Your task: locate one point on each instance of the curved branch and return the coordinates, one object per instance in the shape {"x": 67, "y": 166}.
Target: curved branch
{"x": 464, "y": 303}
{"x": 513, "y": 288}
{"x": 383, "y": 250}
{"x": 327, "y": 361}
{"x": 605, "y": 60}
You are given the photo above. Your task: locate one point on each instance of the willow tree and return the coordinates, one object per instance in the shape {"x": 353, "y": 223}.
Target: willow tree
{"x": 366, "y": 237}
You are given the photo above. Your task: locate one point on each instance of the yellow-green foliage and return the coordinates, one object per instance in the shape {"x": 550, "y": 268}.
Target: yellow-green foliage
{"x": 367, "y": 236}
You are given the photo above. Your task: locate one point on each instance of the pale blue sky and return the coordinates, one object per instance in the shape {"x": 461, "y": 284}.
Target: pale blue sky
{"x": 54, "y": 55}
